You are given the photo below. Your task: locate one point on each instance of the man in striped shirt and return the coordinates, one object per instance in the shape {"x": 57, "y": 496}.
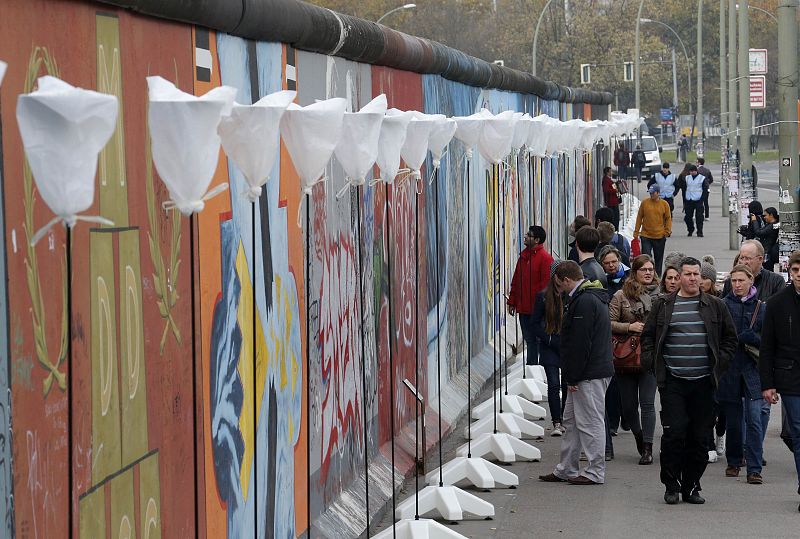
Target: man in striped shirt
{"x": 687, "y": 342}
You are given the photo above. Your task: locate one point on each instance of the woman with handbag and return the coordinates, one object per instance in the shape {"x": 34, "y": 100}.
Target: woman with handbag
{"x": 741, "y": 382}
{"x": 629, "y": 308}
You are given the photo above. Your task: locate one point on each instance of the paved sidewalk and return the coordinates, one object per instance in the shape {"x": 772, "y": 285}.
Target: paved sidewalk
{"x": 631, "y": 503}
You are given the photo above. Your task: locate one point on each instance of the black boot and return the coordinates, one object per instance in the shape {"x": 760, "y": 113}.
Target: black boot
{"x": 647, "y": 454}
{"x": 639, "y": 442}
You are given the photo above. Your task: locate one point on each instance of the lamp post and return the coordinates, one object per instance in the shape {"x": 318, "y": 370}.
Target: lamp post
{"x": 685, "y": 54}
{"x": 699, "y": 121}
{"x": 762, "y": 10}
{"x": 733, "y": 117}
{"x": 398, "y": 8}
{"x": 636, "y": 55}
{"x": 788, "y": 176}
{"x": 536, "y": 37}
{"x": 723, "y": 95}
{"x": 745, "y": 119}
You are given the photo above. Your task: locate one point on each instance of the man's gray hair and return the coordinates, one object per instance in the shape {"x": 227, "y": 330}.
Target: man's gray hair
{"x": 756, "y": 244}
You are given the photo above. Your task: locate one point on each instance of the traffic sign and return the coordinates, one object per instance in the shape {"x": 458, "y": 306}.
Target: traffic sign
{"x": 786, "y": 161}
{"x": 758, "y": 92}
{"x": 758, "y": 61}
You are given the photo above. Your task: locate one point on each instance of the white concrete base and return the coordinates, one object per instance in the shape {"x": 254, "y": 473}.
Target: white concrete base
{"x": 475, "y": 471}
{"x": 527, "y": 388}
{"x": 449, "y": 502}
{"x": 501, "y": 447}
{"x": 514, "y": 404}
{"x": 418, "y": 529}
{"x": 516, "y": 426}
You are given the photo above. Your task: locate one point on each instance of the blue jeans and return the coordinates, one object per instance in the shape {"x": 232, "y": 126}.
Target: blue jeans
{"x": 791, "y": 407}
{"x": 745, "y": 427}
{"x": 553, "y": 387}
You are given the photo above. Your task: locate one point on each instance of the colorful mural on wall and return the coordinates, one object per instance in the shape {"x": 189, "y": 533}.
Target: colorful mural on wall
{"x": 237, "y": 449}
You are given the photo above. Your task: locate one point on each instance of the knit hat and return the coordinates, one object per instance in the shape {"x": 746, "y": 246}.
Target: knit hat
{"x": 673, "y": 259}
{"x": 654, "y": 188}
{"x": 553, "y": 265}
{"x": 707, "y": 269}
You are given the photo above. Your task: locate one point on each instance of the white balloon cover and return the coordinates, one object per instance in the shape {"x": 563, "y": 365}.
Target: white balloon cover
{"x": 521, "y": 130}
{"x": 184, "y": 141}
{"x": 441, "y": 135}
{"x": 494, "y": 143}
{"x": 393, "y": 135}
{"x": 3, "y": 66}
{"x": 538, "y": 135}
{"x": 251, "y": 138}
{"x": 559, "y": 137}
{"x": 357, "y": 149}
{"x": 468, "y": 131}
{"x": 415, "y": 147}
{"x": 311, "y": 134}
{"x": 63, "y": 129}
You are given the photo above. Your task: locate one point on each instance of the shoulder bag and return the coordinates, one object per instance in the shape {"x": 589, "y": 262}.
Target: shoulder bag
{"x": 751, "y": 349}
{"x": 626, "y": 350}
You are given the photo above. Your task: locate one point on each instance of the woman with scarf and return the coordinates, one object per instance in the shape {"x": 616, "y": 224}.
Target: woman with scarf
{"x": 742, "y": 382}
{"x": 616, "y": 272}
{"x": 629, "y": 308}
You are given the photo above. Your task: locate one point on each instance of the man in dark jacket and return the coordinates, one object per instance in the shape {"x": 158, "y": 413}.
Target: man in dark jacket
{"x": 779, "y": 362}
{"x": 530, "y": 277}
{"x": 751, "y": 254}
{"x": 587, "y": 368}
{"x": 688, "y": 340}
{"x": 586, "y": 241}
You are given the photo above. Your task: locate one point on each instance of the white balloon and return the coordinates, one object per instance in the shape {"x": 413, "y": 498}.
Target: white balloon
{"x": 494, "y": 143}
{"x": 3, "y": 67}
{"x": 415, "y": 147}
{"x": 468, "y": 131}
{"x": 184, "y": 140}
{"x": 63, "y": 130}
{"x": 441, "y": 135}
{"x": 392, "y": 138}
{"x": 311, "y": 134}
{"x": 251, "y": 137}
{"x": 538, "y": 135}
{"x": 357, "y": 149}
{"x": 521, "y": 130}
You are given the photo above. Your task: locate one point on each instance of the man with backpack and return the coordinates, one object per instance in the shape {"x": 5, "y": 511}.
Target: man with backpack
{"x": 622, "y": 161}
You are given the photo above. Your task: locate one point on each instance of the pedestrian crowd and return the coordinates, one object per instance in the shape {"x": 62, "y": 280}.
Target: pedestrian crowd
{"x": 613, "y": 327}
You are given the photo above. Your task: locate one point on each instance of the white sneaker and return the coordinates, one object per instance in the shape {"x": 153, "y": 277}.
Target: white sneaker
{"x": 712, "y": 456}
{"x": 720, "y": 444}
{"x": 558, "y": 430}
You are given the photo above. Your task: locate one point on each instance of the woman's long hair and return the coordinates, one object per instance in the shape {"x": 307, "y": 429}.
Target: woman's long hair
{"x": 632, "y": 288}
{"x": 553, "y": 309}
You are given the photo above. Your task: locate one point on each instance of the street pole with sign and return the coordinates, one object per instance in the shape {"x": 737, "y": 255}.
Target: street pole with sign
{"x": 788, "y": 172}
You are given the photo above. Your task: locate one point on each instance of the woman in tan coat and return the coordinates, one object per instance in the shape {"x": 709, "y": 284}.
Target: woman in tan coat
{"x": 629, "y": 308}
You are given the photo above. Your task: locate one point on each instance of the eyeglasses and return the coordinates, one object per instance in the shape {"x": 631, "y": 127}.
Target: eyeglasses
{"x": 748, "y": 258}
{"x": 646, "y": 270}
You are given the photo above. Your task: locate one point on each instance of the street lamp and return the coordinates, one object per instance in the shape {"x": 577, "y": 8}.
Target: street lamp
{"x": 688, "y": 63}
{"x": 773, "y": 17}
{"x": 399, "y": 8}
{"x": 536, "y": 37}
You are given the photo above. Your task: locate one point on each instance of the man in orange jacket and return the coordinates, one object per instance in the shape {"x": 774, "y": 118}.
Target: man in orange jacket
{"x": 531, "y": 276}
{"x": 654, "y": 224}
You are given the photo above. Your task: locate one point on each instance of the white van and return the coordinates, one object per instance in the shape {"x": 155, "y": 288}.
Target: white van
{"x": 652, "y": 153}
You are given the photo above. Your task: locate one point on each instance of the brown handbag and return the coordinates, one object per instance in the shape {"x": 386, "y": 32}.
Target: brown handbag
{"x": 627, "y": 350}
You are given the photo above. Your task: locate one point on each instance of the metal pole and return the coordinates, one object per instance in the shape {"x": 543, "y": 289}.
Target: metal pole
{"x": 536, "y": 37}
{"x": 746, "y": 121}
{"x": 674, "y": 81}
{"x": 636, "y": 55}
{"x": 733, "y": 111}
{"x": 700, "y": 121}
{"x": 788, "y": 177}
{"x": 723, "y": 96}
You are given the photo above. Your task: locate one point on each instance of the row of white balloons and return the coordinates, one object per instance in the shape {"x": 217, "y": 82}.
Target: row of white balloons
{"x": 64, "y": 128}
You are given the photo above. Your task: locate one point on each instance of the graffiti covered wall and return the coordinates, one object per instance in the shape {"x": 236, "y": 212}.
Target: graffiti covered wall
{"x": 199, "y": 405}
